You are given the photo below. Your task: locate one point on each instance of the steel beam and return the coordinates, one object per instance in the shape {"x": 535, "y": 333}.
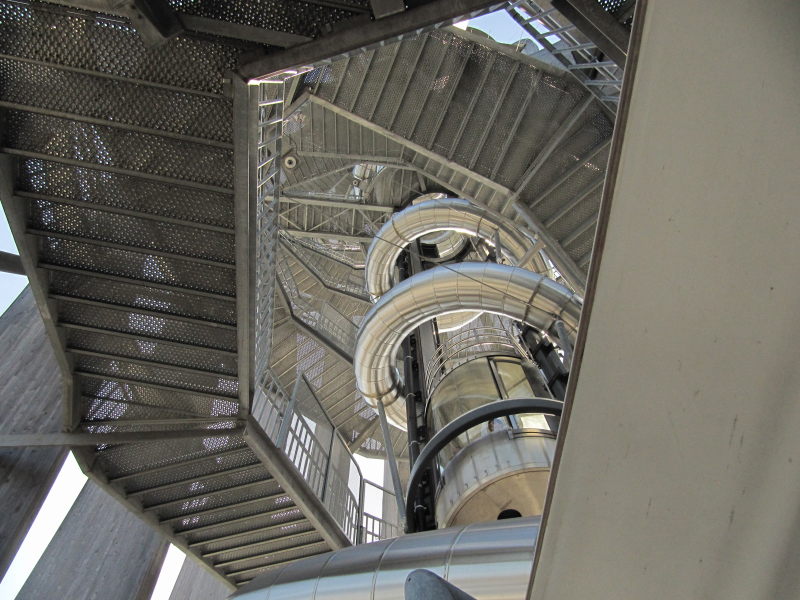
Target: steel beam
{"x": 358, "y": 37}
{"x": 11, "y": 263}
{"x": 177, "y": 465}
{"x": 599, "y": 26}
{"x": 11, "y": 440}
{"x": 138, "y": 282}
{"x": 105, "y": 208}
{"x": 337, "y": 204}
{"x": 185, "y": 183}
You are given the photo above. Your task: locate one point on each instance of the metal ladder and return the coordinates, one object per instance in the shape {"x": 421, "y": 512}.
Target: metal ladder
{"x": 579, "y": 55}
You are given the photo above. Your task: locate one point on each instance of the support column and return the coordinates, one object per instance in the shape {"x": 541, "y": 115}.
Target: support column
{"x": 30, "y": 396}
{"x": 100, "y": 551}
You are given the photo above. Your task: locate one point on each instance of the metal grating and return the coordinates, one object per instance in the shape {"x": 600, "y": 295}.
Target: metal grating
{"x": 122, "y": 149}
{"x": 130, "y": 231}
{"x": 128, "y": 194}
{"x": 138, "y": 266}
{"x": 87, "y": 96}
{"x": 301, "y": 18}
{"x": 82, "y": 40}
{"x": 143, "y": 348}
{"x": 163, "y": 302}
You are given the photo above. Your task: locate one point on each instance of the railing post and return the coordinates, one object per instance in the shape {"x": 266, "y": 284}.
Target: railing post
{"x": 288, "y": 413}
{"x": 362, "y": 536}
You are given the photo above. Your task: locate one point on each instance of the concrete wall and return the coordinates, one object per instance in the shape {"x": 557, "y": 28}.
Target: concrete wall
{"x": 680, "y": 471}
{"x": 196, "y": 583}
{"x": 101, "y": 551}
{"x": 30, "y": 397}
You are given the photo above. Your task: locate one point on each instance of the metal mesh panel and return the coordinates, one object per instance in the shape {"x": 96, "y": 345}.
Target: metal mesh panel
{"x": 130, "y": 231}
{"x": 214, "y": 463}
{"x": 267, "y": 534}
{"x": 129, "y": 150}
{"x": 233, "y": 512}
{"x": 272, "y": 547}
{"x": 423, "y": 78}
{"x": 116, "y": 399}
{"x": 440, "y": 90}
{"x": 574, "y": 218}
{"x": 246, "y": 570}
{"x": 125, "y": 459}
{"x": 589, "y": 133}
{"x": 301, "y": 18}
{"x": 125, "y": 192}
{"x": 195, "y": 503}
{"x": 65, "y": 91}
{"x": 161, "y": 376}
{"x": 139, "y": 266}
{"x": 77, "y": 39}
{"x": 582, "y": 244}
{"x": 181, "y": 356}
{"x": 192, "y": 487}
{"x": 256, "y": 521}
{"x": 136, "y": 294}
{"x": 122, "y": 409}
{"x": 135, "y": 323}
{"x": 403, "y": 70}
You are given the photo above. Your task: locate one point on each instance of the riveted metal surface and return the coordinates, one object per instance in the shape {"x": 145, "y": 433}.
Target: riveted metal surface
{"x": 102, "y": 145}
{"x": 302, "y": 18}
{"x": 130, "y": 231}
{"x": 135, "y": 323}
{"x": 168, "y": 302}
{"x": 51, "y": 88}
{"x": 149, "y": 350}
{"x": 124, "y": 192}
{"x": 79, "y": 39}
{"x": 139, "y": 266}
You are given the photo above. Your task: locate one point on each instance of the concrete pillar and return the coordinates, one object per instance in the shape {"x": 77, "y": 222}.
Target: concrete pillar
{"x": 196, "y": 583}
{"x": 101, "y": 551}
{"x": 30, "y": 397}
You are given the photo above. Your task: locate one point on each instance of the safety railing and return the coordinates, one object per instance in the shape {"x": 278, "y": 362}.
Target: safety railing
{"x": 581, "y": 57}
{"x": 325, "y": 319}
{"x": 336, "y": 274}
{"x": 302, "y": 429}
{"x": 466, "y": 345}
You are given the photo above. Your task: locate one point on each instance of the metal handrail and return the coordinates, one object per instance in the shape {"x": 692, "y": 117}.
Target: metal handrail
{"x": 465, "y": 346}
{"x": 304, "y": 448}
{"x": 449, "y": 432}
{"x": 606, "y": 87}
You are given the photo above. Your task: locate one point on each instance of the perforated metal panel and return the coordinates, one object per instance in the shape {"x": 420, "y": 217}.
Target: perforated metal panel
{"x": 125, "y": 193}
{"x": 302, "y": 18}
{"x": 57, "y": 89}
{"x": 122, "y": 149}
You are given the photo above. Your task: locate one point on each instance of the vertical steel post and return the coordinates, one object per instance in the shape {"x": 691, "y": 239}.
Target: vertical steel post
{"x": 387, "y": 442}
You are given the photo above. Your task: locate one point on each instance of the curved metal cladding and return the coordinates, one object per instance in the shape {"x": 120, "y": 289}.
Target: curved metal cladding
{"x": 486, "y": 560}
{"x": 509, "y": 291}
{"x": 442, "y": 214}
